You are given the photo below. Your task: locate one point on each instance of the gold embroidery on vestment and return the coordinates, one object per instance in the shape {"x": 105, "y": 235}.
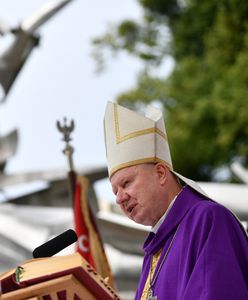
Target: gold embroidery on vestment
{"x": 155, "y": 259}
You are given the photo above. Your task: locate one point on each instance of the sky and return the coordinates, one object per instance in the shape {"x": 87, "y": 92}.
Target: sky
{"x": 59, "y": 80}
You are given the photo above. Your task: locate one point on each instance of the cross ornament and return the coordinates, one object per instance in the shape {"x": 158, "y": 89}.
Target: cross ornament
{"x": 150, "y": 295}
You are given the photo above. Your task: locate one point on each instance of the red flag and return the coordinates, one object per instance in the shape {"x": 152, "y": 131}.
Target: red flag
{"x": 89, "y": 243}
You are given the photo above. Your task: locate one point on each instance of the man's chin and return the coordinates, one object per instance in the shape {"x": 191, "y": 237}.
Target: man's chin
{"x": 141, "y": 221}
{"x": 138, "y": 218}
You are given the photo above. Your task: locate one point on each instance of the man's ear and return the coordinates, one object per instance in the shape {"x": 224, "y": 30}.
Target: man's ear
{"x": 162, "y": 172}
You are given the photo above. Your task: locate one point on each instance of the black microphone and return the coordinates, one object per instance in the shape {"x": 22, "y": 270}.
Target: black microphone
{"x": 56, "y": 244}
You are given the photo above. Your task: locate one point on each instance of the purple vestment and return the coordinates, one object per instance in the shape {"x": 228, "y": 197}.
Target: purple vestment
{"x": 209, "y": 256}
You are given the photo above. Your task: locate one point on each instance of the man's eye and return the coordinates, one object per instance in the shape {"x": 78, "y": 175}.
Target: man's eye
{"x": 126, "y": 183}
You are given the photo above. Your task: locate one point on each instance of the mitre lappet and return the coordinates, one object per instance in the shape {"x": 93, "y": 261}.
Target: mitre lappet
{"x": 131, "y": 139}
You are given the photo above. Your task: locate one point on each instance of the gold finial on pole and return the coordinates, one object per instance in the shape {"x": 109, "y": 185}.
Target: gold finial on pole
{"x": 66, "y": 130}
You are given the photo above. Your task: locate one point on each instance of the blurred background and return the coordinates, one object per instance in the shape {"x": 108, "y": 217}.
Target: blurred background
{"x": 67, "y": 59}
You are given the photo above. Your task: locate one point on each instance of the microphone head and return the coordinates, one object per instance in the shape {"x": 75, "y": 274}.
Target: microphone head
{"x": 56, "y": 244}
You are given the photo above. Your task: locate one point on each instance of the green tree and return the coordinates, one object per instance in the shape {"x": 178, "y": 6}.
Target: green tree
{"x": 206, "y": 96}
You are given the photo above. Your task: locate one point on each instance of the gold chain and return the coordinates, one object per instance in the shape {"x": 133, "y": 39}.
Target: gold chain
{"x": 155, "y": 275}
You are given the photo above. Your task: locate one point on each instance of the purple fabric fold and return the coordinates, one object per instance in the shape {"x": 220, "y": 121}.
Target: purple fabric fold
{"x": 209, "y": 256}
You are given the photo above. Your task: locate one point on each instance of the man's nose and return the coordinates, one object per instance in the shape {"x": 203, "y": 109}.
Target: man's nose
{"x": 121, "y": 196}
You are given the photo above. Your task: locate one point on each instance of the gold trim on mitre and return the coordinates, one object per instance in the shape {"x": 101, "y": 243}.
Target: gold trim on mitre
{"x": 120, "y": 139}
{"x": 151, "y": 146}
{"x": 138, "y": 162}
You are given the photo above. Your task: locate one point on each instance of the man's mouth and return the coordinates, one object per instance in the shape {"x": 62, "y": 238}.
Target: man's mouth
{"x": 130, "y": 208}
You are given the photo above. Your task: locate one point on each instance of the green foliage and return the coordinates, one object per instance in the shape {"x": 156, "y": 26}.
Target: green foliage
{"x": 169, "y": 8}
{"x": 145, "y": 41}
{"x": 149, "y": 89}
{"x": 206, "y": 97}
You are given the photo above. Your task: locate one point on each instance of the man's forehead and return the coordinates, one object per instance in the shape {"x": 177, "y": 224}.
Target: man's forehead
{"x": 123, "y": 173}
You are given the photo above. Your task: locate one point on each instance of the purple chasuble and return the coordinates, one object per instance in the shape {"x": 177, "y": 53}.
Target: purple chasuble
{"x": 209, "y": 256}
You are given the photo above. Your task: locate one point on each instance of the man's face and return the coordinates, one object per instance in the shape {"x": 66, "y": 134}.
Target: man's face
{"x": 137, "y": 192}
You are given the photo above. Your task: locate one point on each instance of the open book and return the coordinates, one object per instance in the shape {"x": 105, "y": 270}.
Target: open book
{"x": 36, "y": 271}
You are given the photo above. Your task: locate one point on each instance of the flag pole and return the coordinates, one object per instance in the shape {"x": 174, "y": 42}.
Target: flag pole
{"x": 85, "y": 225}
{"x": 66, "y": 130}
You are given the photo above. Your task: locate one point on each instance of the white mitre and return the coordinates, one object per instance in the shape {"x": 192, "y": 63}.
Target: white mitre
{"x": 132, "y": 139}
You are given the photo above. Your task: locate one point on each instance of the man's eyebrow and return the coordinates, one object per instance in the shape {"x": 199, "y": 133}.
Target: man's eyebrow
{"x": 122, "y": 180}
{"x": 119, "y": 182}
{"x": 128, "y": 177}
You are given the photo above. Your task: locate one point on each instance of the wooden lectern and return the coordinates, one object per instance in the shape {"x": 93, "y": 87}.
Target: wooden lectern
{"x": 56, "y": 278}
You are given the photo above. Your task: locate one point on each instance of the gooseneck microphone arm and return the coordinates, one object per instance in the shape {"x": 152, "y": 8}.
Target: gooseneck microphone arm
{"x": 56, "y": 244}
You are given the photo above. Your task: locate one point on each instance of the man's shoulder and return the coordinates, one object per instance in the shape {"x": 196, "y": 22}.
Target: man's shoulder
{"x": 211, "y": 217}
{"x": 210, "y": 209}
{"x": 201, "y": 211}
